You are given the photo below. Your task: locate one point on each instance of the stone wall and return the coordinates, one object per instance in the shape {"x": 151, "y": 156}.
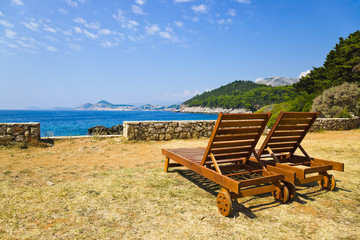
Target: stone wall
{"x": 166, "y": 130}
{"x": 333, "y": 124}
{"x": 19, "y": 132}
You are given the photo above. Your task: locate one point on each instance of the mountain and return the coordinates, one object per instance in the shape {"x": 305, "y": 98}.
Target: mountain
{"x": 105, "y": 105}
{"x": 277, "y": 81}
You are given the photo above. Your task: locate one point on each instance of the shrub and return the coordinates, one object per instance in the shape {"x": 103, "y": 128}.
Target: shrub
{"x": 338, "y": 101}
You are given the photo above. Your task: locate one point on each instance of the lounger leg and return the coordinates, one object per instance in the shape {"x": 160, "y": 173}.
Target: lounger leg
{"x": 166, "y": 164}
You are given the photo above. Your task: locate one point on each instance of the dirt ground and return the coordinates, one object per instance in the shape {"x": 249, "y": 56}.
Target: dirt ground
{"x": 78, "y": 186}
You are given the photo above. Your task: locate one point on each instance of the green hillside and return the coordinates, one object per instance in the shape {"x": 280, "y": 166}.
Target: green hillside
{"x": 243, "y": 94}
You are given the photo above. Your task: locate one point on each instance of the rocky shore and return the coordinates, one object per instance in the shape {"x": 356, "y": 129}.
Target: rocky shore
{"x": 101, "y": 130}
{"x": 198, "y": 109}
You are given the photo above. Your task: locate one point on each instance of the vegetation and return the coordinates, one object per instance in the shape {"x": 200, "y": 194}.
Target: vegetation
{"x": 342, "y": 65}
{"x": 243, "y": 94}
{"x": 338, "y": 101}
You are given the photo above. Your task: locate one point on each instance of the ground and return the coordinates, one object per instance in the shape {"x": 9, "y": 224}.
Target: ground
{"x": 109, "y": 188}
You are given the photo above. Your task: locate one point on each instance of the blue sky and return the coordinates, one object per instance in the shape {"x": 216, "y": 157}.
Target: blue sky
{"x": 69, "y": 52}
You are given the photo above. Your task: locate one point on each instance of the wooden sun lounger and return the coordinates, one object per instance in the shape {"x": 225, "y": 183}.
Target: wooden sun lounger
{"x": 226, "y": 160}
{"x": 284, "y": 139}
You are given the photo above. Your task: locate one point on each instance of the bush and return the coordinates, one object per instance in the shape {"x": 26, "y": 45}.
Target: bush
{"x": 338, "y": 101}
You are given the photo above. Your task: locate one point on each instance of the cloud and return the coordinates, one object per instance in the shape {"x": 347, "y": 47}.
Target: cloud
{"x": 9, "y": 33}
{"x": 223, "y": 21}
{"x": 107, "y": 44}
{"x": 1, "y": 14}
{"x": 303, "y": 74}
{"x": 152, "y": 29}
{"x": 31, "y": 25}
{"x": 106, "y": 31}
{"x": 136, "y": 9}
{"x": 232, "y": 12}
{"x": 17, "y": 2}
{"x": 182, "y": 1}
{"x": 63, "y": 11}
{"x": 6, "y": 23}
{"x": 74, "y": 3}
{"x": 89, "y": 34}
{"x": 93, "y": 25}
{"x": 51, "y": 48}
{"x": 49, "y": 29}
{"x": 74, "y": 46}
{"x": 178, "y": 24}
{"x": 243, "y": 1}
{"x": 140, "y": 2}
{"x": 202, "y": 8}
{"x": 124, "y": 21}
{"x": 178, "y": 97}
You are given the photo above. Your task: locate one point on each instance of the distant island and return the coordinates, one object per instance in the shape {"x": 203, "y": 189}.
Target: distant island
{"x": 107, "y": 106}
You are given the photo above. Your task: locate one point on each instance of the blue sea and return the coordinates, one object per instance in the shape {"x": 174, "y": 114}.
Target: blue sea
{"x": 76, "y": 123}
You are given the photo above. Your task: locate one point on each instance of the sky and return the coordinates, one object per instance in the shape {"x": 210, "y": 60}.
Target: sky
{"x": 64, "y": 53}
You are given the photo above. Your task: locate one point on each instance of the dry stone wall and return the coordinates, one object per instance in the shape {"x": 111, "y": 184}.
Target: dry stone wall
{"x": 19, "y": 132}
{"x": 333, "y": 124}
{"x": 167, "y": 130}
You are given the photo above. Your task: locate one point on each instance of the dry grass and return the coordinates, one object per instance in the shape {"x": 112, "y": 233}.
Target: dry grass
{"x": 113, "y": 189}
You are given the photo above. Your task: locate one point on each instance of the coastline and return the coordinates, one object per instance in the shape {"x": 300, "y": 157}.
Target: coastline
{"x": 208, "y": 110}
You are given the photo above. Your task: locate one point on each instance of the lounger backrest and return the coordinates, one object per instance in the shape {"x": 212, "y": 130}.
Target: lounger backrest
{"x": 235, "y": 136}
{"x": 287, "y": 133}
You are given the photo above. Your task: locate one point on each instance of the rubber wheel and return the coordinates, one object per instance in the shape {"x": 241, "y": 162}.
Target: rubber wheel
{"x": 281, "y": 194}
{"x": 292, "y": 190}
{"x": 224, "y": 204}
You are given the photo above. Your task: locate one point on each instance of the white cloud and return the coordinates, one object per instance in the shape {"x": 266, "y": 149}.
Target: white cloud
{"x": 166, "y": 35}
{"x": 6, "y": 23}
{"x": 136, "y": 9}
{"x": 106, "y": 31}
{"x": 17, "y": 2}
{"x": 202, "y": 8}
{"x": 74, "y": 46}
{"x": 71, "y": 3}
{"x": 303, "y": 74}
{"x": 9, "y": 33}
{"x": 107, "y": 44}
{"x": 31, "y": 25}
{"x": 67, "y": 33}
{"x": 63, "y": 11}
{"x": 51, "y": 48}
{"x": 178, "y": 24}
{"x": 124, "y": 21}
{"x": 140, "y": 2}
{"x": 93, "y": 25}
{"x": 243, "y": 1}
{"x": 182, "y": 1}
{"x": 195, "y": 19}
{"x": 77, "y": 29}
{"x": 152, "y": 29}
{"x": 232, "y": 12}
{"x": 89, "y": 34}
{"x": 49, "y": 29}
{"x": 1, "y": 14}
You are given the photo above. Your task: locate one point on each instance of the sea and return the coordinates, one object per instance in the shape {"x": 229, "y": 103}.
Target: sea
{"x": 76, "y": 123}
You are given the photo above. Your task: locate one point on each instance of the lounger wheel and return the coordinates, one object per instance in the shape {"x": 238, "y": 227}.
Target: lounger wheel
{"x": 281, "y": 193}
{"x": 224, "y": 203}
{"x": 292, "y": 189}
{"x": 328, "y": 182}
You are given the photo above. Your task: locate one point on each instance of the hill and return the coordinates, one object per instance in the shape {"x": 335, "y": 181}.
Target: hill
{"x": 105, "y": 105}
{"x": 244, "y": 95}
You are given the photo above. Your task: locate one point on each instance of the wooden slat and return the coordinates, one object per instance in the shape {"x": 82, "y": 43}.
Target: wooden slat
{"x": 232, "y": 160}
{"x": 260, "y": 180}
{"x": 242, "y": 173}
{"x": 237, "y": 131}
{"x": 291, "y": 127}
{"x": 287, "y": 133}
{"x": 238, "y": 124}
{"x": 230, "y": 150}
{"x": 282, "y": 144}
{"x": 295, "y": 121}
{"x": 234, "y": 137}
{"x": 231, "y": 144}
{"x": 298, "y": 115}
{"x": 279, "y": 150}
{"x": 231, "y": 116}
{"x": 230, "y": 155}
{"x": 284, "y": 139}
